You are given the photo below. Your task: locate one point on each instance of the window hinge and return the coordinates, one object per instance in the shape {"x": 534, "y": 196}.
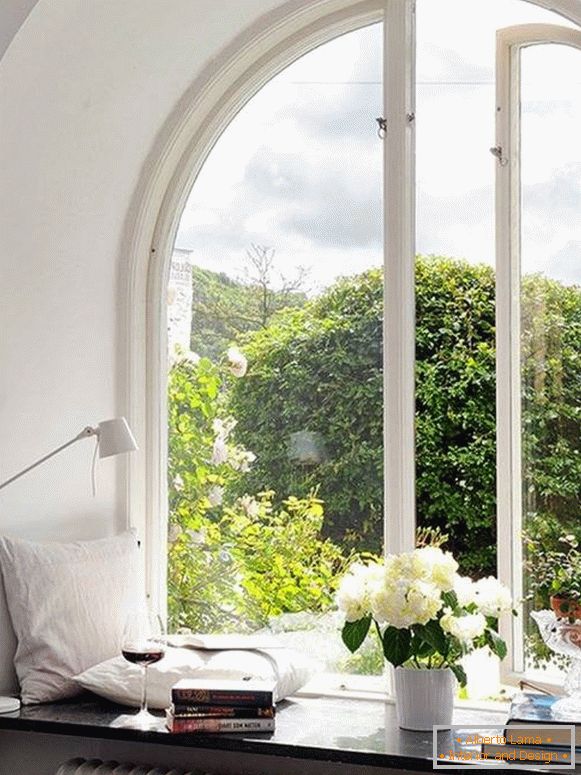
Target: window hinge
{"x": 497, "y": 151}
{"x": 381, "y": 127}
{"x": 382, "y": 124}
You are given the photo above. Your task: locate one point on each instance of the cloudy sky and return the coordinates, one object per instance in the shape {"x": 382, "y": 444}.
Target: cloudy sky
{"x": 299, "y": 169}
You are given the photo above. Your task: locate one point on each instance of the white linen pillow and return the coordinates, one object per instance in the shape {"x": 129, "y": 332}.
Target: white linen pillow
{"x": 68, "y": 604}
{"x": 119, "y": 681}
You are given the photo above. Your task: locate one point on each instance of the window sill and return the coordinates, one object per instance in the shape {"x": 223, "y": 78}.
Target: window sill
{"x": 367, "y": 687}
{"x": 324, "y": 730}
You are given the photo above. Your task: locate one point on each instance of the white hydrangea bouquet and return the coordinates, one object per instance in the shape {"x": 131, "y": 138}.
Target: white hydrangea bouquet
{"x": 426, "y": 615}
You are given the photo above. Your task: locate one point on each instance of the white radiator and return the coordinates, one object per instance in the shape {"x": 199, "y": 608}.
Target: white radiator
{"x": 97, "y": 767}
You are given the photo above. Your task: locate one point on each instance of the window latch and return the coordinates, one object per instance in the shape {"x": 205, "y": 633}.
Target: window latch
{"x": 497, "y": 151}
{"x": 382, "y": 124}
{"x": 381, "y": 127}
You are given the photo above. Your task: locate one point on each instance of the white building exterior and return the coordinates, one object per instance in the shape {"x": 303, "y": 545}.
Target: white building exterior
{"x": 179, "y": 301}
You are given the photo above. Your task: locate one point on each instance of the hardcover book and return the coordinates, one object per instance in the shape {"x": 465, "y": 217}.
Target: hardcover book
{"x": 530, "y": 708}
{"x": 537, "y": 708}
{"x": 222, "y": 711}
{"x": 215, "y": 692}
{"x": 216, "y": 725}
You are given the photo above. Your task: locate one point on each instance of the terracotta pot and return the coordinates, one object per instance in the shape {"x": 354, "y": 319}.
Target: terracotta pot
{"x": 565, "y": 608}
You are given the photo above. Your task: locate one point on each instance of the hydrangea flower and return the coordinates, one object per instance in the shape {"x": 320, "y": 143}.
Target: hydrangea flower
{"x": 215, "y": 495}
{"x": 173, "y": 533}
{"x": 353, "y": 595}
{"x": 241, "y": 459}
{"x": 197, "y": 536}
{"x": 178, "y": 483}
{"x": 410, "y": 592}
{"x": 402, "y": 602}
{"x": 464, "y": 628}
{"x": 223, "y": 426}
{"x": 492, "y": 597}
{"x": 249, "y": 505}
{"x": 439, "y": 566}
{"x": 237, "y": 362}
{"x": 465, "y": 591}
{"x": 219, "y": 452}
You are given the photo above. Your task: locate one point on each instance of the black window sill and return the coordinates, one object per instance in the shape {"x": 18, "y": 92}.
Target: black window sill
{"x": 356, "y": 732}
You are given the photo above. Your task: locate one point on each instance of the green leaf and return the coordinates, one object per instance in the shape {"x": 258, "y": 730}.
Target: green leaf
{"x": 354, "y": 633}
{"x": 421, "y": 648}
{"x": 433, "y": 634}
{"x": 450, "y": 600}
{"x": 396, "y": 645}
{"x": 458, "y": 671}
{"x": 496, "y": 643}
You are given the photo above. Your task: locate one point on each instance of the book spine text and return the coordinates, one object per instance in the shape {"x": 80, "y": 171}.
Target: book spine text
{"x": 219, "y": 725}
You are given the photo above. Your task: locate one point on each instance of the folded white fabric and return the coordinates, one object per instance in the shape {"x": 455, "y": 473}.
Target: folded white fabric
{"x": 119, "y": 681}
{"x": 68, "y": 604}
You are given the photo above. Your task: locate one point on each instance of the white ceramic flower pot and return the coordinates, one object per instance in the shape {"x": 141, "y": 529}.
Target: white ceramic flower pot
{"x": 424, "y": 697}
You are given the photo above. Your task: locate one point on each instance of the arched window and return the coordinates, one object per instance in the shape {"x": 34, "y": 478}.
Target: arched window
{"x": 408, "y": 157}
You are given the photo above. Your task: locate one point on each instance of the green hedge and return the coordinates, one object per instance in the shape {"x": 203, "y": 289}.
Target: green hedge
{"x": 320, "y": 369}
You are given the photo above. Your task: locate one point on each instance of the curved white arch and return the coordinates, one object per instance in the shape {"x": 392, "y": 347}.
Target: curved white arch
{"x": 204, "y": 112}
{"x": 182, "y": 146}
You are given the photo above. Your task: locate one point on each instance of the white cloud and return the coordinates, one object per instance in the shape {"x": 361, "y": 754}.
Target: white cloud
{"x": 565, "y": 265}
{"x": 299, "y": 168}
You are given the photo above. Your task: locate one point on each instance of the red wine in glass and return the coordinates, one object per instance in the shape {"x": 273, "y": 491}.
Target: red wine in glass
{"x": 143, "y": 644}
{"x": 143, "y": 658}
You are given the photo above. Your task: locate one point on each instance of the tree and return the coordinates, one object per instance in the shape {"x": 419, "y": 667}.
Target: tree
{"x": 271, "y": 295}
{"x": 223, "y": 307}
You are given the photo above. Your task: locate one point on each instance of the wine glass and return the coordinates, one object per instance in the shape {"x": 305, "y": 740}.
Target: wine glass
{"x": 143, "y": 644}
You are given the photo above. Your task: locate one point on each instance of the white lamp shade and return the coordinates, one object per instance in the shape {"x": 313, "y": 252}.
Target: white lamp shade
{"x": 115, "y": 437}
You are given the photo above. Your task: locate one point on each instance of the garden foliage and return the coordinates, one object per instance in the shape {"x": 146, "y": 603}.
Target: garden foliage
{"x": 234, "y": 562}
{"x": 267, "y": 547}
{"x": 320, "y": 368}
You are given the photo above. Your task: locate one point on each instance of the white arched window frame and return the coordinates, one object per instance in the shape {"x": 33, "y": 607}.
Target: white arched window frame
{"x": 174, "y": 163}
{"x": 510, "y": 43}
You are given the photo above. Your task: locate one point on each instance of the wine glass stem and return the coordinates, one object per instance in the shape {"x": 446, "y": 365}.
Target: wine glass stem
{"x": 144, "y": 691}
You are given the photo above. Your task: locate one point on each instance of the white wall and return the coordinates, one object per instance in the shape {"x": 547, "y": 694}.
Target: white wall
{"x": 13, "y": 14}
{"x": 85, "y": 87}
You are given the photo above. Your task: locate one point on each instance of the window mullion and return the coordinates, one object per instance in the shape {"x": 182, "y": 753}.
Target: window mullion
{"x": 508, "y": 333}
{"x": 399, "y": 251}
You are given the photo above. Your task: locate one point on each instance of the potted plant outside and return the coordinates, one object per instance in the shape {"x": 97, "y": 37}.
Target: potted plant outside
{"x": 555, "y": 576}
{"x": 427, "y": 617}
{"x": 565, "y": 587}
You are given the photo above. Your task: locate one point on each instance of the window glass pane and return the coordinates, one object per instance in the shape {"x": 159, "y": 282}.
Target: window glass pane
{"x": 550, "y": 314}
{"x": 276, "y": 446}
{"x": 455, "y": 278}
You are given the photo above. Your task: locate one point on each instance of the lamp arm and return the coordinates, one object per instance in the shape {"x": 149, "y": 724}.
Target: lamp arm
{"x": 85, "y": 433}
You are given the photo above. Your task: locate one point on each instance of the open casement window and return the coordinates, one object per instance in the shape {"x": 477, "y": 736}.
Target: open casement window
{"x": 538, "y": 393}
{"x": 289, "y": 424}
{"x": 448, "y": 112}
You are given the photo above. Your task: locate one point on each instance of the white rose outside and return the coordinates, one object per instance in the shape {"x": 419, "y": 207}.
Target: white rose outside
{"x": 425, "y": 614}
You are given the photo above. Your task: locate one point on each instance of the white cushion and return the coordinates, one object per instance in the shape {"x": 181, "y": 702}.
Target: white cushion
{"x": 68, "y": 604}
{"x": 119, "y": 681}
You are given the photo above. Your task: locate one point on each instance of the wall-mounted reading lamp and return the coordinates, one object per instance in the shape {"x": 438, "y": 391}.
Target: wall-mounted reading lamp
{"x": 113, "y": 438}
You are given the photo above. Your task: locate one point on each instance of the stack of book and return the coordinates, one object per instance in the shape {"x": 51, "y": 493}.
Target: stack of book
{"x": 221, "y": 706}
{"x": 536, "y": 744}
